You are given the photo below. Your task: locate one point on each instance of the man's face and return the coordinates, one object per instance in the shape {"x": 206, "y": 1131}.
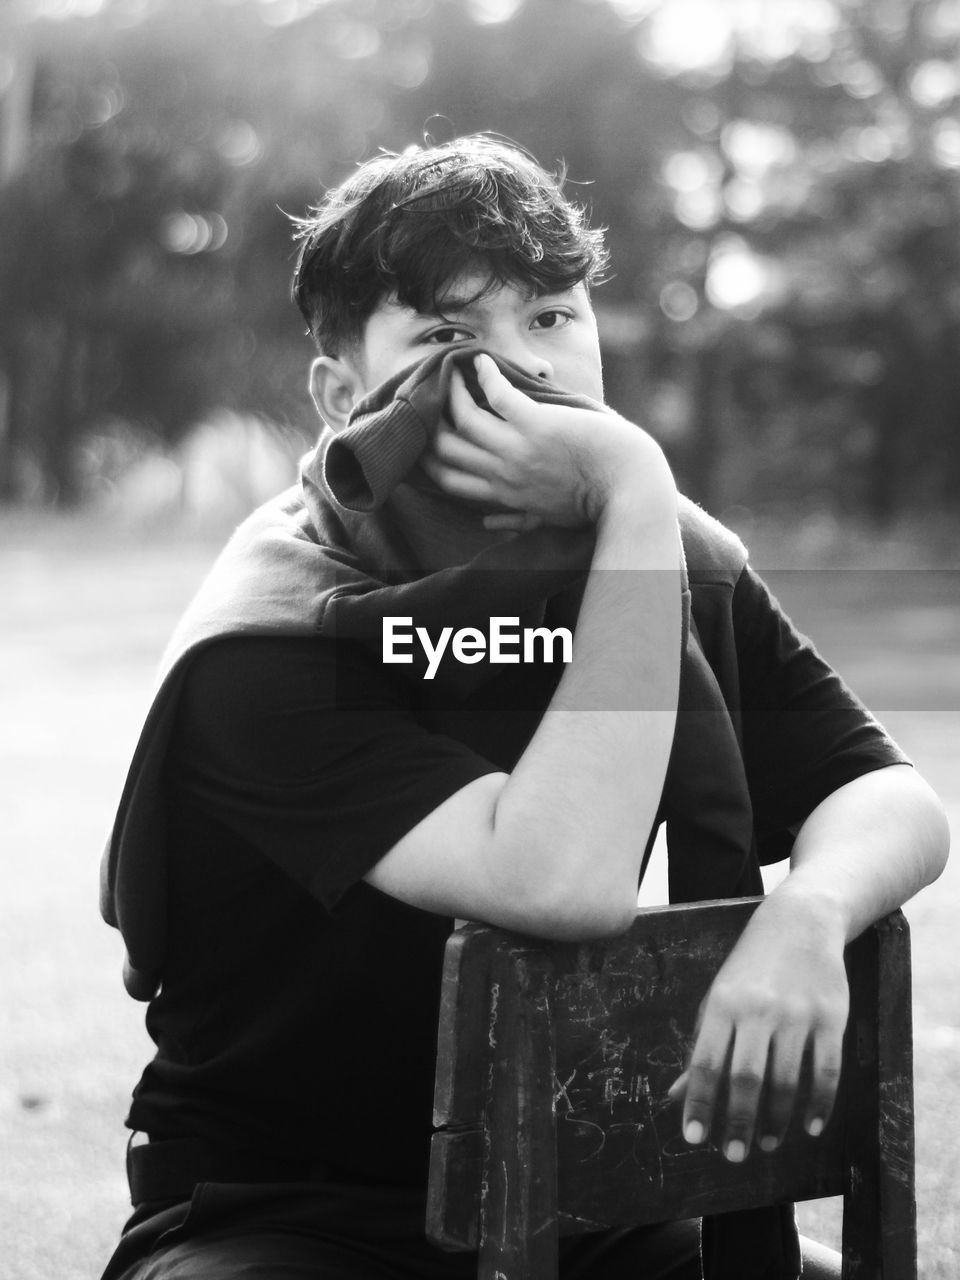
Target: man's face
{"x": 551, "y": 336}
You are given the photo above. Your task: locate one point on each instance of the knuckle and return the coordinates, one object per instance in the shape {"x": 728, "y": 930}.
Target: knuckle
{"x": 753, "y": 1000}
{"x": 500, "y": 394}
{"x": 821, "y": 1103}
{"x": 833, "y": 1018}
{"x": 444, "y": 446}
{"x": 701, "y": 1095}
{"x": 828, "y": 1073}
{"x": 706, "y": 1070}
{"x": 700, "y": 1102}
{"x": 725, "y": 997}
{"x": 740, "y": 1117}
{"x": 739, "y": 1122}
{"x": 746, "y": 1081}
{"x": 781, "y": 1089}
{"x": 795, "y": 1011}
{"x": 783, "y": 1083}
{"x": 495, "y": 397}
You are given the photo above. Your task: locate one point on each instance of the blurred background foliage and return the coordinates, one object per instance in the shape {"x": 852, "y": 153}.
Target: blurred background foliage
{"x": 780, "y": 180}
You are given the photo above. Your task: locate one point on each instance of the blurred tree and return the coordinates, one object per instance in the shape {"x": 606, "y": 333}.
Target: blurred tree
{"x": 816, "y": 209}
{"x": 780, "y": 185}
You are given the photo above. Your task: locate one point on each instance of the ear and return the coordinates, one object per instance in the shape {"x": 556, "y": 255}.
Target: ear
{"x": 335, "y": 387}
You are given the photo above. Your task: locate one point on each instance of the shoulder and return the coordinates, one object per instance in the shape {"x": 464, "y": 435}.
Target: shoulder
{"x": 279, "y": 710}
{"x": 713, "y": 552}
{"x": 245, "y": 680}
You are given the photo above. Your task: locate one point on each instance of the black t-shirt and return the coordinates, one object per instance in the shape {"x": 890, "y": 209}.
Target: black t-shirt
{"x": 298, "y": 1013}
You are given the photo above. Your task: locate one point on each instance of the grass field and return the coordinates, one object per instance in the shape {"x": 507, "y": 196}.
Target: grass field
{"x": 85, "y": 612}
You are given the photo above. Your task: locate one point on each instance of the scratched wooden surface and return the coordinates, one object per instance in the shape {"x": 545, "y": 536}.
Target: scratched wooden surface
{"x": 622, "y": 1019}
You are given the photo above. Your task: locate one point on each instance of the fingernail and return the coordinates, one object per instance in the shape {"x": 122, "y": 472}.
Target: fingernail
{"x": 693, "y": 1132}
{"x": 769, "y": 1143}
{"x": 736, "y": 1151}
{"x": 815, "y": 1127}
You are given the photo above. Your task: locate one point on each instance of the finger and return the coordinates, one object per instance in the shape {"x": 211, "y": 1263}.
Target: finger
{"x": 748, "y": 1068}
{"x": 456, "y": 483}
{"x": 472, "y": 423}
{"x": 704, "y": 1075}
{"x": 679, "y": 1087}
{"x": 504, "y": 398}
{"x": 454, "y": 450}
{"x": 783, "y": 1077}
{"x": 512, "y": 521}
{"x": 827, "y": 1057}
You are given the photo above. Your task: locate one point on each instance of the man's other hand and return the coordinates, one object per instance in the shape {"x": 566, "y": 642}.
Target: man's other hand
{"x": 549, "y": 464}
{"x": 783, "y": 988}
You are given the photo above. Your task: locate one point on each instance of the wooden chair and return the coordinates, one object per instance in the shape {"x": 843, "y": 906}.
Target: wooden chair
{"x": 551, "y": 1109}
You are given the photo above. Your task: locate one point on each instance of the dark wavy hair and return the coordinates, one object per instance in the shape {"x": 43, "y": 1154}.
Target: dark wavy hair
{"x": 405, "y": 225}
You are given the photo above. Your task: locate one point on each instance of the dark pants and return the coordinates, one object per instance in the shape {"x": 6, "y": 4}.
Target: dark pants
{"x": 229, "y": 1232}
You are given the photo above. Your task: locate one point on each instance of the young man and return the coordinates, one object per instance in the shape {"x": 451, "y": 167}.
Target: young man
{"x": 348, "y": 751}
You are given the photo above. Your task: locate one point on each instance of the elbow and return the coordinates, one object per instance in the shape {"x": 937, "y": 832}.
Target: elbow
{"x": 926, "y": 822}
{"x": 597, "y": 925}
{"x": 576, "y": 906}
{"x": 576, "y": 922}
{"x": 560, "y": 885}
{"x": 937, "y": 842}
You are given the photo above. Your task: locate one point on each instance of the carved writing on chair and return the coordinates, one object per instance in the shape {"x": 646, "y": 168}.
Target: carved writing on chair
{"x": 552, "y": 1107}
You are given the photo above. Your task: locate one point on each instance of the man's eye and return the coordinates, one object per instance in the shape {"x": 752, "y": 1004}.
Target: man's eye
{"x": 552, "y": 319}
{"x": 441, "y": 337}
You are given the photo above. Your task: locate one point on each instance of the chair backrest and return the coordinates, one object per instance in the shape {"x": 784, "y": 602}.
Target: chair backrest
{"x": 551, "y": 1105}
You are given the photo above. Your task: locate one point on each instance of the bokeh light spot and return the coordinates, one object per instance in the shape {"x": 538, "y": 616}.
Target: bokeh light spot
{"x": 699, "y": 210}
{"x": 190, "y": 233}
{"x": 279, "y": 13}
{"x": 689, "y": 170}
{"x": 410, "y": 67}
{"x": 355, "y": 40}
{"x": 754, "y": 148}
{"x": 239, "y": 143}
{"x": 701, "y": 116}
{"x": 861, "y": 80}
{"x": 679, "y": 301}
{"x": 946, "y": 144}
{"x": 688, "y": 35}
{"x": 744, "y": 199}
{"x": 737, "y": 279}
{"x": 934, "y": 84}
{"x": 490, "y": 12}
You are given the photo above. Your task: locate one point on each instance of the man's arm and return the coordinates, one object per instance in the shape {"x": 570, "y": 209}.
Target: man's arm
{"x": 866, "y": 849}
{"x": 554, "y": 848}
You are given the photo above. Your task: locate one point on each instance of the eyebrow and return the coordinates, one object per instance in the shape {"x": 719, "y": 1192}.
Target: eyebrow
{"x": 454, "y": 304}
{"x": 450, "y": 308}
{"x": 450, "y": 304}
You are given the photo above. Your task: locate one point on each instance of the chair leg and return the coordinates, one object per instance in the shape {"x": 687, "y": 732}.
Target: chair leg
{"x": 518, "y": 1203}
{"x": 898, "y": 1206}
{"x": 879, "y": 1209}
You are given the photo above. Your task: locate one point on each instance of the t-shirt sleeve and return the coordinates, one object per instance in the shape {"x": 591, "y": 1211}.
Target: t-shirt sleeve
{"x": 805, "y": 733}
{"x": 307, "y": 752}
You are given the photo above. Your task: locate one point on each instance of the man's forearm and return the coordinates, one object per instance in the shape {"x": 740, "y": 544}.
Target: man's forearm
{"x": 869, "y": 847}
{"x": 582, "y": 799}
